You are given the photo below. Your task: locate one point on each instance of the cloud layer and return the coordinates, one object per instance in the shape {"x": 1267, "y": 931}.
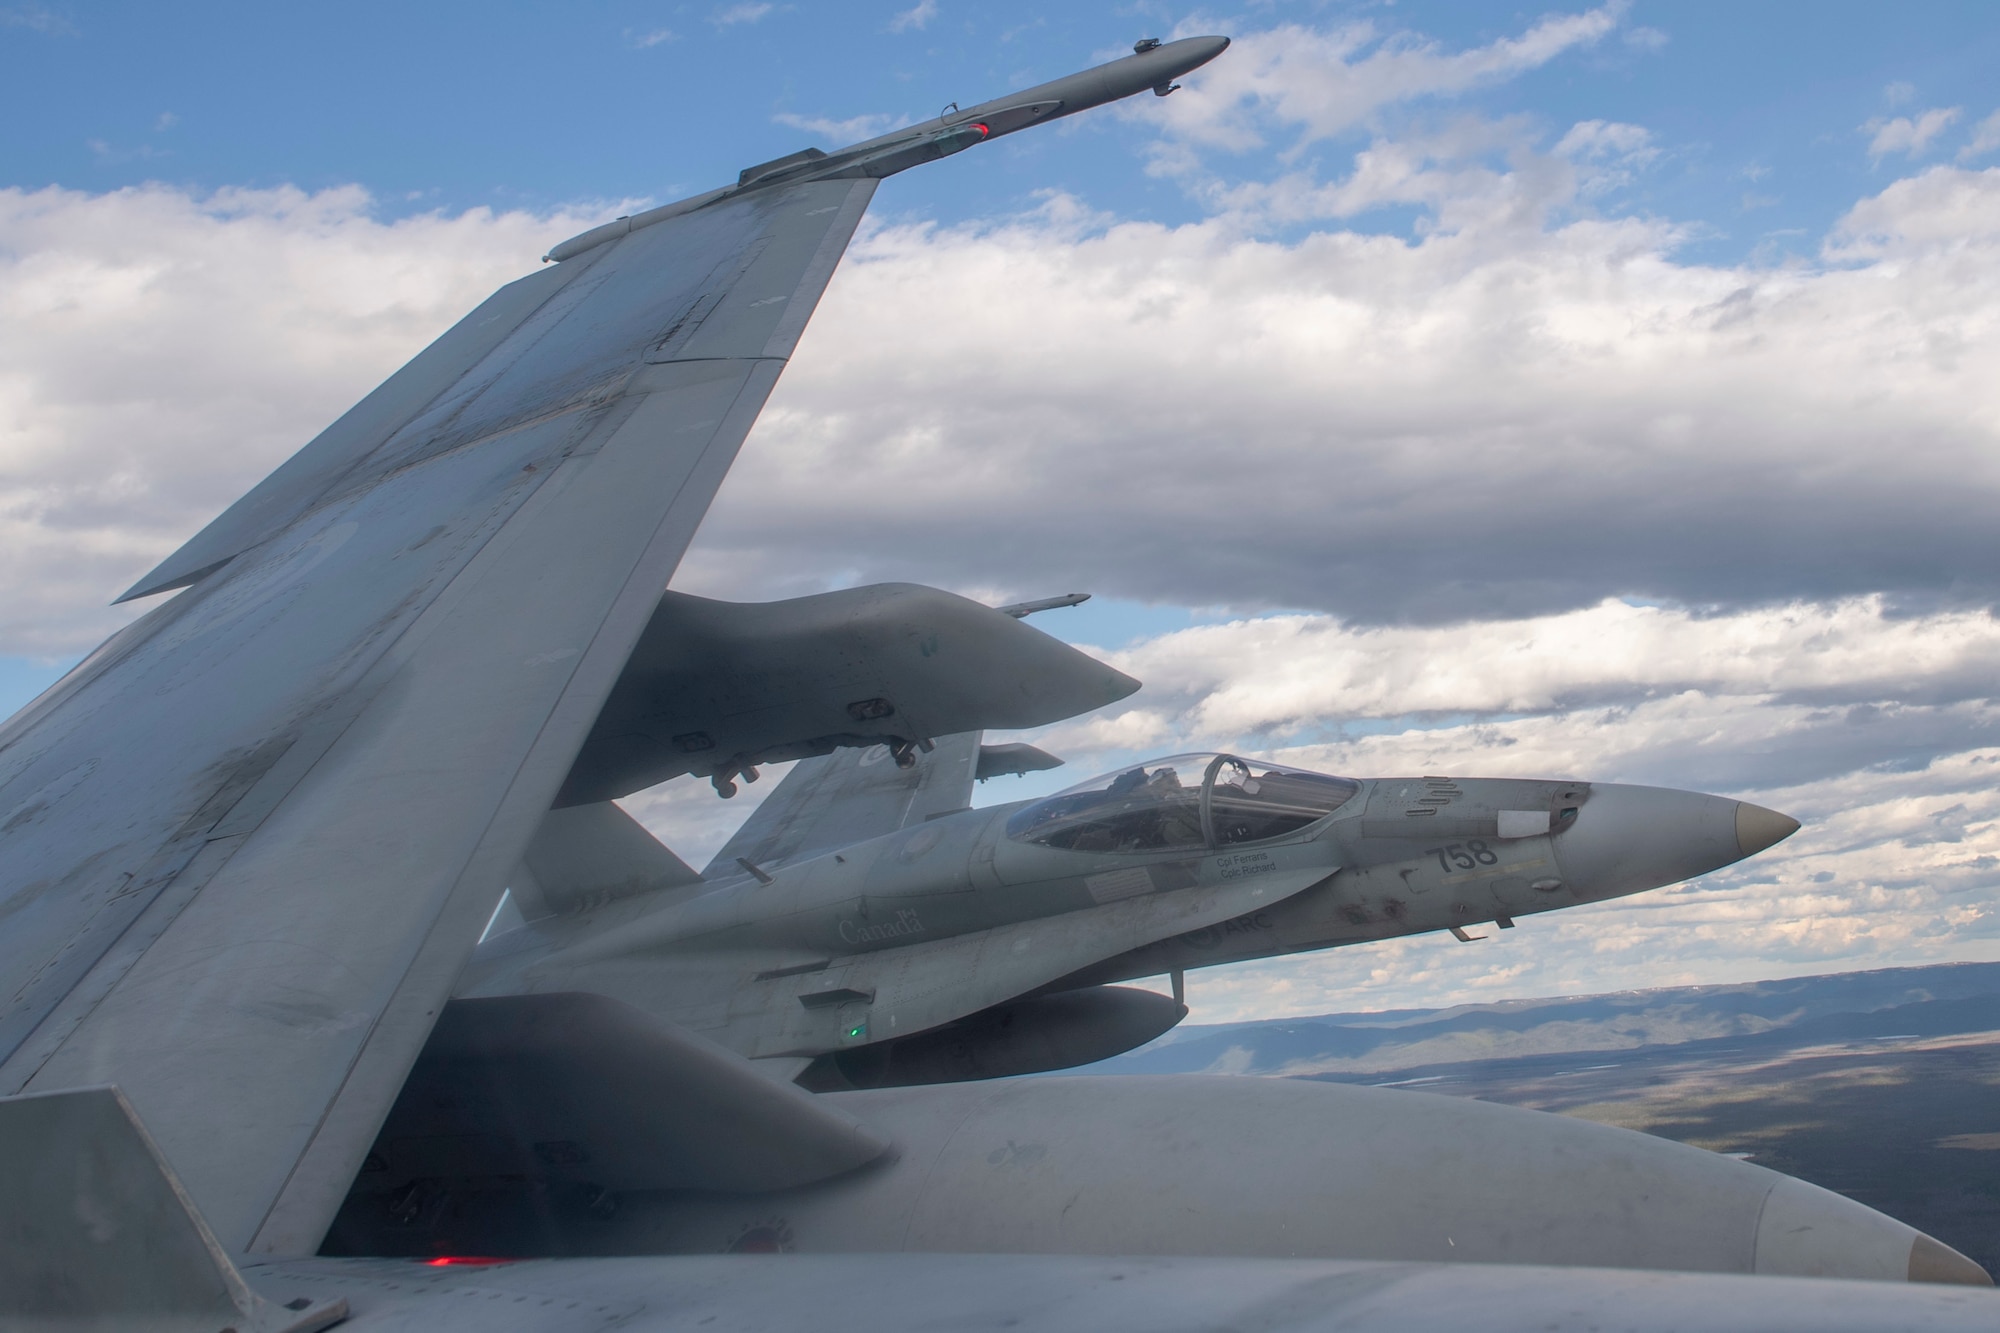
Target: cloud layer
{"x": 1501, "y": 420}
{"x": 160, "y": 351}
{"x": 1485, "y": 477}
{"x": 1317, "y": 83}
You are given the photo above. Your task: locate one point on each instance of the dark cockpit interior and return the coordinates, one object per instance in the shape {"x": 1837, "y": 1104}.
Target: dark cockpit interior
{"x": 1191, "y": 801}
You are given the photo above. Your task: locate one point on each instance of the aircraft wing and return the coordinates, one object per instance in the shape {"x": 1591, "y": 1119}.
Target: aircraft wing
{"x": 246, "y": 846}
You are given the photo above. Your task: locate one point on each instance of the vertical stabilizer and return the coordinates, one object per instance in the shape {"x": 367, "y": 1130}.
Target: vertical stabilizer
{"x": 586, "y": 855}
{"x": 836, "y": 800}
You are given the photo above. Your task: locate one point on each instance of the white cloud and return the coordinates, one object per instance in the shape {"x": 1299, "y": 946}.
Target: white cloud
{"x": 1276, "y": 675}
{"x": 1904, "y": 135}
{"x": 1508, "y": 419}
{"x": 1890, "y": 868}
{"x": 1898, "y": 860}
{"x": 743, "y": 13}
{"x": 839, "y": 133}
{"x": 1942, "y": 216}
{"x": 159, "y": 350}
{"x": 1323, "y": 82}
{"x": 1609, "y": 153}
{"x": 1985, "y": 138}
{"x": 1600, "y": 140}
{"x": 917, "y": 16}
{"x": 1468, "y": 172}
{"x": 1899, "y": 93}
{"x": 107, "y": 153}
{"x": 36, "y": 18}
{"x": 1502, "y": 420}
{"x": 1441, "y": 456}
{"x": 642, "y": 41}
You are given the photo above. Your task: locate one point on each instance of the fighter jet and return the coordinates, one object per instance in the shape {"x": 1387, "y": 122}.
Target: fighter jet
{"x": 957, "y": 942}
{"x": 247, "y": 846}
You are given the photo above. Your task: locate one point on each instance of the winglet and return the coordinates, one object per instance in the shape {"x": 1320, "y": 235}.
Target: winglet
{"x": 96, "y": 1231}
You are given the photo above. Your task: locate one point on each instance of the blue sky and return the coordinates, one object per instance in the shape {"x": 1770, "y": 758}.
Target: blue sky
{"x": 1603, "y": 391}
{"x": 448, "y": 106}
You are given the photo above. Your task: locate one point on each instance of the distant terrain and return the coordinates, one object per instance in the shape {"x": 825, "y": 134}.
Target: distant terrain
{"x": 1882, "y": 1085}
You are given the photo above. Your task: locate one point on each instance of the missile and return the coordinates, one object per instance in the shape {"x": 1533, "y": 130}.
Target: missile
{"x": 1153, "y": 64}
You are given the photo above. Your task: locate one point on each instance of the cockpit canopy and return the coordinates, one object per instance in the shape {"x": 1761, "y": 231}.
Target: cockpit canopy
{"x": 1191, "y": 801}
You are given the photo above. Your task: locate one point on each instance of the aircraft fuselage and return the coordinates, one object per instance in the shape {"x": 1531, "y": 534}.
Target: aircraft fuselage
{"x": 1196, "y": 861}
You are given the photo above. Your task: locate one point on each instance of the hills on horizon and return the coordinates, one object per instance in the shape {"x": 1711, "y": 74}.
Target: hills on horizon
{"x": 1938, "y": 1000}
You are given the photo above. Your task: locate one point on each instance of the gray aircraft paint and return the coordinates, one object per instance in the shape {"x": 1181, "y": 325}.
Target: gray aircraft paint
{"x": 1062, "y": 1294}
{"x": 947, "y": 915}
{"x": 321, "y": 761}
{"x": 716, "y": 688}
{"x": 287, "y": 809}
{"x": 1190, "y": 1164}
{"x": 249, "y": 841}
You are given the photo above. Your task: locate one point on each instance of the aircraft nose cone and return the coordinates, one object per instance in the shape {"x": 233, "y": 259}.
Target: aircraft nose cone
{"x": 1758, "y": 828}
{"x": 1189, "y": 53}
{"x": 1627, "y": 839}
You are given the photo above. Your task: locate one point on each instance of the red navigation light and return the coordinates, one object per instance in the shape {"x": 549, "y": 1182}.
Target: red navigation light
{"x": 985, "y": 131}
{"x": 464, "y": 1260}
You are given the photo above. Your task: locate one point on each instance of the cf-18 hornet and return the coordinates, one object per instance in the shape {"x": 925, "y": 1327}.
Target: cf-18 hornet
{"x": 961, "y": 943}
{"x": 253, "y": 1076}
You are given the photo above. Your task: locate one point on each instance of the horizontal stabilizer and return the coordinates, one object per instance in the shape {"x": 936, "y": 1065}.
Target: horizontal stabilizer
{"x": 715, "y": 688}
{"x": 95, "y": 1231}
{"x": 1012, "y": 760}
{"x": 587, "y": 855}
{"x": 577, "y": 1088}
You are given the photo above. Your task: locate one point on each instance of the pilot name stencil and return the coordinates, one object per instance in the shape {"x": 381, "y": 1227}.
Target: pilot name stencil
{"x": 1239, "y": 864}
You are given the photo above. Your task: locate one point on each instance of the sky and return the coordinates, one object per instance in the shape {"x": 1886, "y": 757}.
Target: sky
{"x": 1604, "y": 391}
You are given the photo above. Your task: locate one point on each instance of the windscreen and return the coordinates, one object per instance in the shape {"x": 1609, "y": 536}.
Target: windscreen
{"x": 1191, "y": 801}
{"x": 1251, "y": 801}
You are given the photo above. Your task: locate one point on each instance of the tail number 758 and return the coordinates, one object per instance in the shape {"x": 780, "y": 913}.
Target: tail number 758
{"x": 1463, "y": 855}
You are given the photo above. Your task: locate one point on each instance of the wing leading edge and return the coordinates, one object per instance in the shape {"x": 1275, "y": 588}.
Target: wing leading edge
{"x": 250, "y": 842}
